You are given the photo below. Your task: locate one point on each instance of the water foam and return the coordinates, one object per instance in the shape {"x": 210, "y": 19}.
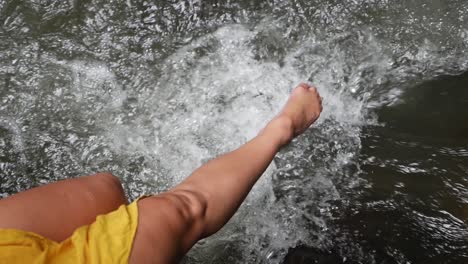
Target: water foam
{"x": 214, "y": 95}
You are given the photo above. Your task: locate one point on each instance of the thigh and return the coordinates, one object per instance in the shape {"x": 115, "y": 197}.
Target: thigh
{"x": 56, "y": 210}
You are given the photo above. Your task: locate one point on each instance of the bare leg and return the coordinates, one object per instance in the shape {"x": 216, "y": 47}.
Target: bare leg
{"x": 171, "y": 223}
{"x": 56, "y": 210}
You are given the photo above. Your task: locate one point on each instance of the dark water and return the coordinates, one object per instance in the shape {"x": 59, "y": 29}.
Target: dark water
{"x": 413, "y": 205}
{"x": 149, "y": 90}
{"x": 416, "y": 166}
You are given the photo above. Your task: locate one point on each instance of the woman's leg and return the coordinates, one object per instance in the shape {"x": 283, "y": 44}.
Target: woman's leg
{"x": 56, "y": 210}
{"x": 169, "y": 224}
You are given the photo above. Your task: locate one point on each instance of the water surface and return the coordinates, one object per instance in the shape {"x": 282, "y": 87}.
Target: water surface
{"x": 149, "y": 90}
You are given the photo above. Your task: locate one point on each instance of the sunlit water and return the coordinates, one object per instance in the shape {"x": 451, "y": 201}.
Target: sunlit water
{"x": 151, "y": 90}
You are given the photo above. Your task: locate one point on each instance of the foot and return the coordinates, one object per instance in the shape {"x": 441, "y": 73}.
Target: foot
{"x": 300, "y": 112}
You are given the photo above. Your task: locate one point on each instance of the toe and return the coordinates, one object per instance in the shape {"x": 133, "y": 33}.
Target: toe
{"x": 304, "y": 85}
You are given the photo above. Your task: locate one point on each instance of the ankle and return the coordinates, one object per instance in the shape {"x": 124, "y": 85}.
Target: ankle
{"x": 282, "y": 128}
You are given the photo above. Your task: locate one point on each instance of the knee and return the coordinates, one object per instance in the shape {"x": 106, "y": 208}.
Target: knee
{"x": 109, "y": 179}
{"x": 110, "y": 184}
{"x": 191, "y": 204}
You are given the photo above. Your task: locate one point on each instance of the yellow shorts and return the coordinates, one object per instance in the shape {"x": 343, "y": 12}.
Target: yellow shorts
{"x": 109, "y": 239}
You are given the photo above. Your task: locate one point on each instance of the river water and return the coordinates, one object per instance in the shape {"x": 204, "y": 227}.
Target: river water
{"x": 149, "y": 90}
